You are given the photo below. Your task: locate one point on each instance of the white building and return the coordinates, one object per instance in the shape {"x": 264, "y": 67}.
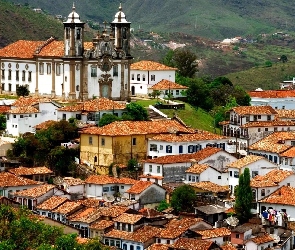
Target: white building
{"x": 72, "y": 68}
{"x": 145, "y": 74}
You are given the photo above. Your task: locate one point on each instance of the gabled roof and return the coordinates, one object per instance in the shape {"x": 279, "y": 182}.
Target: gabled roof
{"x": 275, "y": 142}
{"x": 52, "y": 203}
{"x": 11, "y": 180}
{"x": 23, "y": 110}
{"x": 210, "y": 186}
{"x": 261, "y": 239}
{"x": 197, "y": 168}
{"x": 276, "y": 123}
{"x": 284, "y": 195}
{"x": 139, "y": 187}
{"x": 254, "y": 110}
{"x": 150, "y": 65}
{"x": 166, "y": 84}
{"x": 245, "y": 161}
{"x": 70, "y": 181}
{"x": 29, "y": 101}
{"x": 192, "y": 244}
{"x": 285, "y": 113}
{"x": 198, "y": 156}
{"x": 97, "y": 104}
{"x": 20, "y": 171}
{"x": 270, "y": 179}
{"x": 67, "y": 207}
{"x": 113, "y": 211}
{"x": 228, "y": 246}
{"x": 36, "y": 191}
{"x": 121, "y": 128}
{"x": 272, "y": 93}
{"x": 102, "y": 224}
{"x": 145, "y": 233}
{"x": 45, "y": 125}
{"x": 198, "y": 135}
{"x": 128, "y": 218}
{"x": 158, "y": 246}
{"x": 86, "y": 215}
{"x": 214, "y": 233}
{"x": 105, "y": 179}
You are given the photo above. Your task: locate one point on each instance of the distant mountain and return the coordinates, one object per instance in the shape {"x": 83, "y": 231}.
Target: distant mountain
{"x": 215, "y": 19}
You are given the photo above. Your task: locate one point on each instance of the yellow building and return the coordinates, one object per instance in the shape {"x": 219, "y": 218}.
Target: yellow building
{"x": 120, "y": 141}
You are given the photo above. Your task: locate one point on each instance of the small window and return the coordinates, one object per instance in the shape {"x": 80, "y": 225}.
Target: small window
{"x": 102, "y": 141}
{"x": 283, "y": 107}
{"x": 77, "y": 88}
{"x": 133, "y": 141}
{"x": 9, "y": 74}
{"x": 269, "y": 117}
{"x": 150, "y": 168}
{"x": 237, "y": 236}
{"x": 177, "y": 92}
{"x": 3, "y": 74}
{"x": 138, "y": 77}
{"x": 57, "y": 69}
{"x": 48, "y": 68}
{"x": 64, "y": 116}
{"x": 132, "y": 76}
{"x": 161, "y": 147}
{"x": 106, "y": 189}
{"x": 219, "y": 177}
{"x": 230, "y": 173}
{"x": 168, "y": 149}
{"x": 36, "y": 115}
{"x": 115, "y": 70}
{"x": 90, "y": 140}
{"x": 30, "y": 76}
{"x": 263, "y": 192}
{"x": 158, "y": 169}
{"x": 14, "y": 116}
{"x": 153, "y": 147}
{"x": 122, "y": 187}
{"x": 21, "y": 116}
{"x": 93, "y": 72}
{"x": 143, "y": 77}
{"x": 23, "y": 75}
{"x": 259, "y": 129}
{"x": 266, "y": 129}
{"x": 41, "y": 68}
{"x": 153, "y": 78}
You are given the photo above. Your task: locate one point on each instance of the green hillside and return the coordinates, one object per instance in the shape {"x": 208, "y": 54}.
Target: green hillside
{"x": 208, "y": 18}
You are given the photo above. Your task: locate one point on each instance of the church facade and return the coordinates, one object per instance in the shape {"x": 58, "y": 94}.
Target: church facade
{"x": 72, "y": 69}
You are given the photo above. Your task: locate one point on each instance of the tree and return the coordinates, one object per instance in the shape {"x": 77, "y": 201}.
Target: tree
{"x": 107, "y": 119}
{"x": 183, "y": 199}
{"x": 168, "y": 59}
{"x": 136, "y": 112}
{"x": 155, "y": 94}
{"x": 283, "y": 58}
{"x": 22, "y": 90}
{"x": 185, "y": 61}
{"x": 244, "y": 197}
{"x": 2, "y": 122}
{"x": 163, "y": 205}
{"x": 132, "y": 164}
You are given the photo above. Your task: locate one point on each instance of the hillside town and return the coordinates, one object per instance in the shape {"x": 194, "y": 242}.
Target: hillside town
{"x": 117, "y": 202}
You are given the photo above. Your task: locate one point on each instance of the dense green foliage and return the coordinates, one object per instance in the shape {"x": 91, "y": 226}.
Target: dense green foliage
{"x": 135, "y": 112}
{"x": 183, "y": 199}
{"x": 44, "y": 148}
{"x": 107, "y": 119}
{"x": 22, "y": 90}
{"x": 2, "y": 122}
{"x": 20, "y": 230}
{"x": 163, "y": 205}
{"x": 244, "y": 197}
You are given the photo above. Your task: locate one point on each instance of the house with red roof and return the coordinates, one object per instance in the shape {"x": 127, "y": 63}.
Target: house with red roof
{"x": 145, "y": 74}
{"x": 101, "y": 67}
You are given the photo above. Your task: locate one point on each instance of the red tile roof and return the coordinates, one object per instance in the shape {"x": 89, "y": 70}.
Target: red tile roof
{"x": 192, "y": 244}
{"x": 272, "y": 93}
{"x": 36, "y": 191}
{"x": 150, "y": 65}
{"x": 101, "y": 225}
{"x": 105, "y": 179}
{"x": 29, "y": 101}
{"x": 228, "y": 246}
{"x": 284, "y": 195}
{"x": 270, "y": 179}
{"x": 198, "y": 156}
{"x": 254, "y": 110}
{"x": 245, "y": 161}
{"x": 199, "y": 135}
{"x": 95, "y": 105}
{"x": 128, "y": 218}
{"x": 139, "y": 187}
{"x": 214, "y": 233}
{"x": 4, "y": 109}
{"x": 261, "y": 239}
{"x": 70, "y": 181}
{"x": 120, "y": 128}
{"x": 197, "y": 168}
{"x": 166, "y": 84}
{"x": 67, "y": 207}
{"x": 145, "y": 233}
{"x": 11, "y": 180}
{"x": 285, "y": 113}
{"x": 86, "y": 215}
{"x": 23, "y": 110}
{"x": 274, "y": 123}
{"x": 158, "y": 246}
{"x": 45, "y": 125}
{"x": 52, "y": 203}
{"x": 20, "y": 171}
{"x": 118, "y": 234}
{"x": 113, "y": 211}
{"x": 210, "y": 186}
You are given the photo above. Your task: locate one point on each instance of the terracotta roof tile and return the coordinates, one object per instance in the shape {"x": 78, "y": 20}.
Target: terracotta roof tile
{"x": 150, "y": 213}
{"x": 105, "y": 179}
{"x": 137, "y": 128}
{"x": 86, "y": 215}
{"x": 199, "y": 135}
{"x": 166, "y": 84}
{"x": 192, "y": 244}
{"x": 284, "y": 195}
{"x": 197, "y": 168}
{"x": 151, "y": 176}
{"x": 113, "y": 211}
{"x": 4, "y": 109}
{"x": 128, "y": 218}
{"x": 54, "y": 49}
{"x": 45, "y": 125}
{"x": 245, "y": 161}
{"x": 262, "y": 239}
{"x": 20, "y": 171}
{"x": 214, "y": 233}
{"x": 289, "y": 153}
{"x": 52, "y": 203}
{"x": 67, "y": 207}
{"x": 70, "y": 181}
{"x": 118, "y": 234}
{"x": 285, "y": 113}
{"x": 274, "y": 123}
{"x": 254, "y": 110}
{"x": 228, "y": 246}
{"x": 139, "y": 187}
{"x": 11, "y": 180}
{"x": 210, "y": 186}
{"x": 149, "y": 65}
{"x": 90, "y": 202}
{"x": 274, "y": 142}
{"x": 36, "y": 191}
{"x": 270, "y": 179}
{"x": 272, "y": 93}
{"x": 158, "y": 246}
{"x": 21, "y": 49}
{"x": 94, "y": 105}
{"x": 198, "y": 156}
{"x": 101, "y": 225}
{"x": 23, "y": 110}
{"x": 145, "y": 233}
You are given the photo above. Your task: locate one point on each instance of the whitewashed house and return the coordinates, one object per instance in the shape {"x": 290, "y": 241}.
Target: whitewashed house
{"x": 45, "y": 208}
{"x": 73, "y": 186}
{"x": 145, "y": 74}
{"x": 91, "y": 111}
{"x": 168, "y": 89}
{"x": 63, "y": 211}
{"x": 277, "y": 99}
{"x": 258, "y": 165}
{"x": 218, "y": 235}
{"x": 172, "y": 167}
{"x": 260, "y": 242}
{"x": 27, "y": 112}
{"x": 178, "y": 143}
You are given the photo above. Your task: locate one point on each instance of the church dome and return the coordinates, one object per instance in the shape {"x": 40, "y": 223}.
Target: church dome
{"x": 120, "y": 16}
{"x": 73, "y": 17}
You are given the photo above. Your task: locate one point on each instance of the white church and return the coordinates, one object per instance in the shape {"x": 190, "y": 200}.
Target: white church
{"x": 72, "y": 69}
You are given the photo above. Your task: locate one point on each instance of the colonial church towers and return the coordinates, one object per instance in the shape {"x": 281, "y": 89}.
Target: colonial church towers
{"x": 103, "y": 68}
